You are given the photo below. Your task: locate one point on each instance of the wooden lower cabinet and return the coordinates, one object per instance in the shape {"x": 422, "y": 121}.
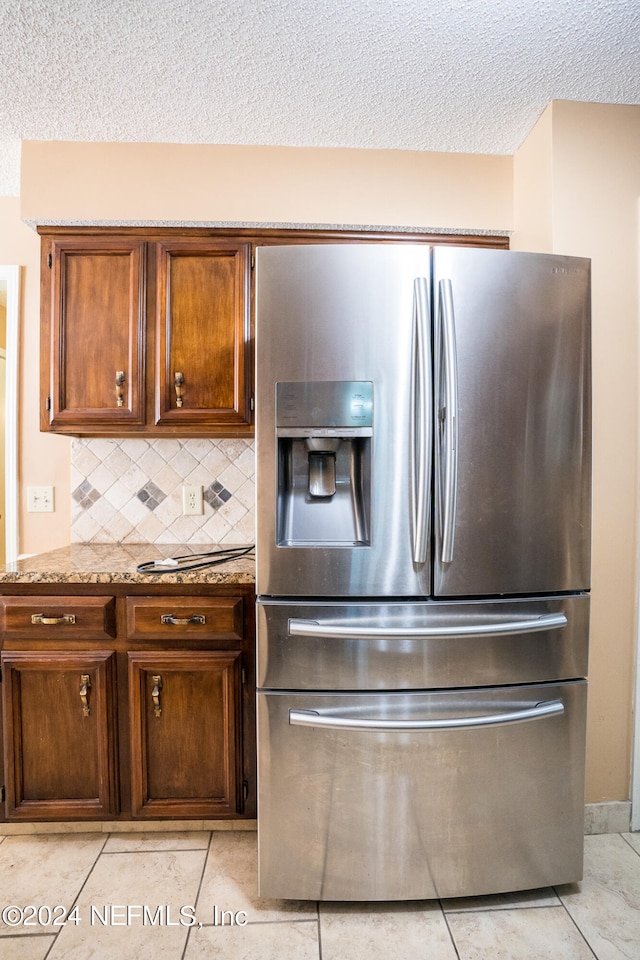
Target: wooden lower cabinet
{"x": 137, "y": 705}
{"x": 59, "y": 723}
{"x": 185, "y": 733}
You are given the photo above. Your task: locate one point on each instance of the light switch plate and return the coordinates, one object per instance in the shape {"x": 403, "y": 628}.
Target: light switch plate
{"x": 39, "y": 499}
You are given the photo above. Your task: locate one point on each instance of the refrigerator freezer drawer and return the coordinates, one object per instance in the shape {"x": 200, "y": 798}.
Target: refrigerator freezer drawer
{"x": 422, "y": 645}
{"x": 447, "y": 794}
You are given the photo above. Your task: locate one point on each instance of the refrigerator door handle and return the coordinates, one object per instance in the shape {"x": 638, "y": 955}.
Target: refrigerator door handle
{"x": 338, "y": 631}
{"x": 421, "y": 420}
{"x": 311, "y": 718}
{"x": 448, "y": 480}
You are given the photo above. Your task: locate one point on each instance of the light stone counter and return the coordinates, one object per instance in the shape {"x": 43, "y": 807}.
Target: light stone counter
{"x": 117, "y": 563}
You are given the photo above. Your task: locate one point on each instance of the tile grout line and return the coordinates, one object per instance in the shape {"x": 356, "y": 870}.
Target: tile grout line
{"x": 133, "y": 853}
{"x": 318, "y": 905}
{"x": 77, "y": 897}
{"x": 575, "y": 924}
{"x": 198, "y": 892}
{"x": 449, "y": 930}
{"x": 503, "y": 907}
{"x": 635, "y": 850}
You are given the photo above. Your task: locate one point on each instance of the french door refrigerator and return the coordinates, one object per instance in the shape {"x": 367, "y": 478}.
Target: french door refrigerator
{"x": 423, "y": 557}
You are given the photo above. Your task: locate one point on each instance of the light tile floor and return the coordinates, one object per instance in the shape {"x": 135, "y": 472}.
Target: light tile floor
{"x": 105, "y": 882}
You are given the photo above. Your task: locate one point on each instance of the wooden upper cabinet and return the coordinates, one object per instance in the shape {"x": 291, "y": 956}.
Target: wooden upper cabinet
{"x": 202, "y": 332}
{"x": 93, "y": 313}
{"x": 125, "y": 315}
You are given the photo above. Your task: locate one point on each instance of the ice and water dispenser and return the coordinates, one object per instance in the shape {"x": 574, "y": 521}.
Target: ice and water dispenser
{"x": 324, "y": 435}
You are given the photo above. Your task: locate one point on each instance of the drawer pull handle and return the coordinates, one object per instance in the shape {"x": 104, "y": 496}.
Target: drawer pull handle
{"x": 52, "y": 621}
{"x": 313, "y": 718}
{"x": 155, "y": 695}
{"x": 85, "y": 686}
{"x": 120, "y": 380}
{"x": 178, "y": 381}
{"x": 183, "y": 621}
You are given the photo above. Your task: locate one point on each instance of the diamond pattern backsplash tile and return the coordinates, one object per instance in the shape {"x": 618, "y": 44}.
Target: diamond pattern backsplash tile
{"x": 130, "y": 491}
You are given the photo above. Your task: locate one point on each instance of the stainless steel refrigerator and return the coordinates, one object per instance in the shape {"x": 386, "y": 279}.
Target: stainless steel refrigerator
{"x": 423, "y": 556}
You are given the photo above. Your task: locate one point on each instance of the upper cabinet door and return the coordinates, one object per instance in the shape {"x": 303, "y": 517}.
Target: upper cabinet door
{"x": 94, "y": 314}
{"x": 203, "y": 335}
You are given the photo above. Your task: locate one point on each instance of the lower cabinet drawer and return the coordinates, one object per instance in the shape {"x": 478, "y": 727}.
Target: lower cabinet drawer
{"x": 205, "y": 618}
{"x": 58, "y": 618}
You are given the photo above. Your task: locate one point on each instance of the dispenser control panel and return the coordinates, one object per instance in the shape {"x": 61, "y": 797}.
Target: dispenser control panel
{"x": 325, "y": 407}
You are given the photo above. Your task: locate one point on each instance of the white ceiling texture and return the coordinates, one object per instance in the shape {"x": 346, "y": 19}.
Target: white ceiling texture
{"x": 440, "y": 75}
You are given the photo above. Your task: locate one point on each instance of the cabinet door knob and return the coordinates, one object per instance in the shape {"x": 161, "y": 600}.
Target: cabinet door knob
{"x": 51, "y": 621}
{"x": 155, "y": 695}
{"x": 120, "y": 381}
{"x": 178, "y": 381}
{"x": 182, "y": 621}
{"x": 85, "y": 687}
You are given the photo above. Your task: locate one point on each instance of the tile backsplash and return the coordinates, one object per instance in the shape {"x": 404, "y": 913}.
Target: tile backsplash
{"x": 130, "y": 490}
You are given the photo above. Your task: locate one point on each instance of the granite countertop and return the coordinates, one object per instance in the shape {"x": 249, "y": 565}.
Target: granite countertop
{"x": 117, "y": 563}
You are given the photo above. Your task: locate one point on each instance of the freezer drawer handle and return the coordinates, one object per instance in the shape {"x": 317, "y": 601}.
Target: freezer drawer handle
{"x": 337, "y": 631}
{"x": 311, "y": 718}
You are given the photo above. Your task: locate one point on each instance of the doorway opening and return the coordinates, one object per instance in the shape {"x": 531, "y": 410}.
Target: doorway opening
{"x": 9, "y": 312}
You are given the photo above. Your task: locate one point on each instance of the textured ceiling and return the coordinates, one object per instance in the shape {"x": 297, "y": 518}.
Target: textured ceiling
{"x": 461, "y": 75}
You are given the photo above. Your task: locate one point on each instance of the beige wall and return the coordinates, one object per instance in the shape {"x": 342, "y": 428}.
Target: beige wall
{"x": 533, "y": 189}
{"x": 42, "y": 459}
{"x": 577, "y": 184}
{"x": 192, "y": 183}
{"x": 575, "y": 149}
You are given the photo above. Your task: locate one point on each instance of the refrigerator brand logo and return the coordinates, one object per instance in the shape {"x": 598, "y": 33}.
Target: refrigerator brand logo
{"x": 566, "y": 270}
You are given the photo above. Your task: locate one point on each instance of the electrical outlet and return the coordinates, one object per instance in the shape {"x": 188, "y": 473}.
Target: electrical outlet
{"x": 192, "y": 501}
{"x": 39, "y": 499}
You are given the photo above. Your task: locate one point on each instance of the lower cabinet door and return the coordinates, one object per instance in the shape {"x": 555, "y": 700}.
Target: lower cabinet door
{"x": 185, "y": 733}
{"x": 60, "y": 742}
